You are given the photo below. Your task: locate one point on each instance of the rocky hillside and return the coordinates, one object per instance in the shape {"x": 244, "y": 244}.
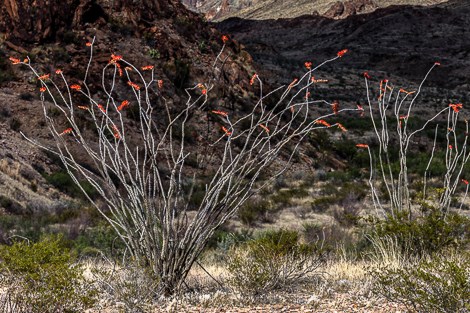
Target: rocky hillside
{"x": 399, "y": 43}
{"x": 178, "y": 43}
{"x": 272, "y": 9}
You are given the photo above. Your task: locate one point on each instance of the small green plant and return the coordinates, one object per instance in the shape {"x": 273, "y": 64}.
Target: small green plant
{"x": 41, "y": 277}
{"x": 438, "y": 285}
{"x": 154, "y": 53}
{"x": 275, "y": 259}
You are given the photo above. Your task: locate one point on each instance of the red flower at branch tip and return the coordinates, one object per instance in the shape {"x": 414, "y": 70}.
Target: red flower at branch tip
{"x": 25, "y": 61}
{"x": 44, "y": 77}
{"x": 133, "y": 85}
{"x": 335, "y": 107}
{"x": 308, "y": 65}
{"x": 456, "y": 107}
{"x": 225, "y": 130}
{"x": 221, "y": 113}
{"x": 58, "y": 71}
{"x": 88, "y": 44}
{"x": 15, "y": 60}
{"x": 101, "y": 108}
{"x": 465, "y": 181}
{"x": 293, "y": 82}
{"x": 403, "y": 117}
{"x": 66, "y": 131}
{"x": 116, "y": 132}
{"x": 42, "y": 89}
{"x": 124, "y": 104}
{"x": 160, "y": 83}
{"x": 82, "y": 107}
{"x": 362, "y": 145}
{"x": 437, "y": 63}
{"x": 322, "y": 122}
{"x": 252, "y": 80}
{"x": 366, "y": 75}
{"x": 115, "y": 58}
{"x": 147, "y": 67}
{"x": 204, "y": 91}
{"x": 342, "y": 52}
{"x": 450, "y": 147}
{"x": 76, "y": 87}
{"x": 340, "y": 126}
{"x": 266, "y": 129}
{"x": 225, "y": 39}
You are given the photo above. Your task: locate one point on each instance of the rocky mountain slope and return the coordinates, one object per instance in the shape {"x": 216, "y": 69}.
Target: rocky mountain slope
{"x": 399, "y": 43}
{"x": 272, "y": 9}
{"x": 179, "y": 44}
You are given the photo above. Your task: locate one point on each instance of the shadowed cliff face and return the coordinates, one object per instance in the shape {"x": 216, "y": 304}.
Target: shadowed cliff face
{"x": 396, "y": 42}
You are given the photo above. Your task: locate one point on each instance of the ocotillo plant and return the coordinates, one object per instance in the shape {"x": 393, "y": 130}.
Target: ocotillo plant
{"x": 143, "y": 175}
{"x": 394, "y": 144}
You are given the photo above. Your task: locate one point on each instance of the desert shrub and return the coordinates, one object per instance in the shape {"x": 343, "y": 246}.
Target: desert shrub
{"x": 41, "y": 277}
{"x": 428, "y": 234}
{"x": 275, "y": 259}
{"x": 253, "y": 211}
{"x": 330, "y": 237}
{"x": 437, "y": 285}
{"x": 62, "y": 181}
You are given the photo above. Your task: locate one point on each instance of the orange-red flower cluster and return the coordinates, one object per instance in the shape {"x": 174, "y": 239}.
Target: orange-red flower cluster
{"x": 293, "y": 82}
{"x": 66, "y": 131}
{"x": 322, "y": 122}
{"x": 42, "y": 89}
{"x": 335, "y": 107}
{"x": 44, "y": 77}
{"x": 450, "y": 147}
{"x": 88, "y": 44}
{"x": 266, "y": 129}
{"x": 133, "y": 85}
{"x": 342, "y": 52}
{"x": 116, "y": 132}
{"x": 456, "y": 106}
{"x": 115, "y": 58}
{"x": 465, "y": 181}
{"x": 437, "y": 63}
{"x": 101, "y": 108}
{"x": 407, "y": 92}
{"x": 123, "y": 104}
{"x": 82, "y": 107}
{"x": 340, "y": 126}
{"x": 160, "y": 83}
{"x": 366, "y": 75}
{"x": 362, "y": 145}
{"x": 147, "y": 68}
{"x": 308, "y": 65}
{"x": 15, "y": 60}
{"x": 252, "y": 80}
{"x": 58, "y": 71}
{"x": 225, "y": 130}
{"x": 76, "y": 87}
{"x": 224, "y": 39}
{"x": 221, "y": 113}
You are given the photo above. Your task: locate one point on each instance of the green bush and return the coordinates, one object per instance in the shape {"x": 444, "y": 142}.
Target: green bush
{"x": 428, "y": 234}
{"x": 437, "y": 285}
{"x": 253, "y": 211}
{"x": 275, "y": 259}
{"x": 41, "y": 277}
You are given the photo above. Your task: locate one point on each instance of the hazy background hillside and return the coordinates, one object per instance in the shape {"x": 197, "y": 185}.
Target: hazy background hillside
{"x": 272, "y": 9}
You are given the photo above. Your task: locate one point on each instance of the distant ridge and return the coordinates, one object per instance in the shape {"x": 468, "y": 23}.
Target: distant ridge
{"x": 218, "y": 10}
